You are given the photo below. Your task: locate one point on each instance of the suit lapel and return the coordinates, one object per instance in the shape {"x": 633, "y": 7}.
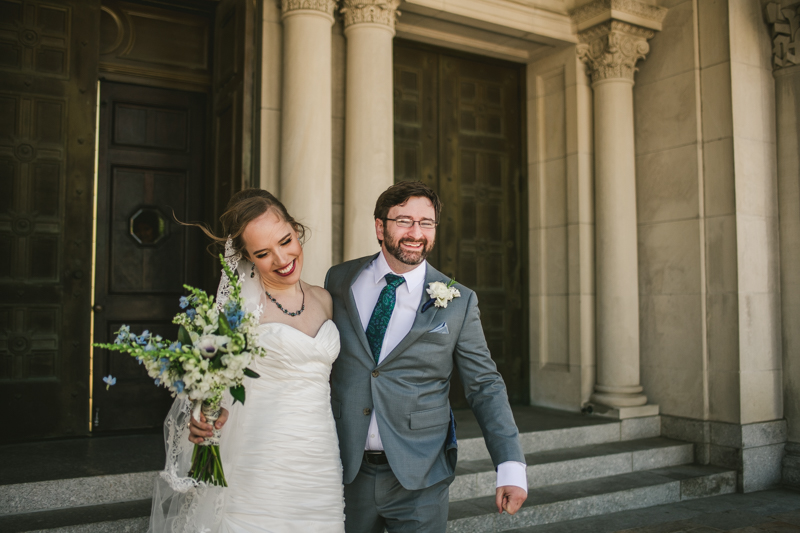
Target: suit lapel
{"x": 423, "y": 321}
{"x": 352, "y": 308}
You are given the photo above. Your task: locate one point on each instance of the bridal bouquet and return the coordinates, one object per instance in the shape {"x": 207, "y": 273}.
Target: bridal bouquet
{"x": 211, "y": 354}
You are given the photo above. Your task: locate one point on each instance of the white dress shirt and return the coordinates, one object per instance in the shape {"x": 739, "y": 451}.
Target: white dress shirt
{"x": 366, "y": 290}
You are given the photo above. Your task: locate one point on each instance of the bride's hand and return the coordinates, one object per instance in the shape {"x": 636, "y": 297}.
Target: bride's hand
{"x": 201, "y": 429}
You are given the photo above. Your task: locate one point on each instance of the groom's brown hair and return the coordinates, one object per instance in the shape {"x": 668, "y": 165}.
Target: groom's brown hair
{"x": 399, "y": 193}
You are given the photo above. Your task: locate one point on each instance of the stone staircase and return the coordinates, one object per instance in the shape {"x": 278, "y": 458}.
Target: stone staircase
{"x": 578, "y": 466}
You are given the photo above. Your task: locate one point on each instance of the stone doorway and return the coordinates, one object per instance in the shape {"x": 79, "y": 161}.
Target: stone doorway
{"x": 458, "y": 127}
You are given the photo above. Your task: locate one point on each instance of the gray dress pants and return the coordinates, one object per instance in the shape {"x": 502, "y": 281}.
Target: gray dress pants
{"x": 375, "y": 501}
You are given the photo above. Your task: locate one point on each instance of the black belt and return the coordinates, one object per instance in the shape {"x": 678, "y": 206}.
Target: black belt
{"x": 375, "y": 457}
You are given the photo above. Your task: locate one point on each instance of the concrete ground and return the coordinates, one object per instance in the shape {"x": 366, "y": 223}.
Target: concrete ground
{"x": 776, "y": 510}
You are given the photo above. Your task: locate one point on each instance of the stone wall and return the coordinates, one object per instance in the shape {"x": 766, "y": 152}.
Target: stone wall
{"x": 783, "y": 19}
{"x": 708, "y": 235}
{"x": 669, "y": 190}
{"x": 561, "y": 231}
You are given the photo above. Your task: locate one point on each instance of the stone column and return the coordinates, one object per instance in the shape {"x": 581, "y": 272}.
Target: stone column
{"x": 610, "y": 50}
{"x": 784, "y": 19}
{"x": 306, "y": 181}
{"x": 369, "y": 133}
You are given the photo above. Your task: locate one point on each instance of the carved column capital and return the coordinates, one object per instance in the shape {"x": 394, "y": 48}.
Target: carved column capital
{"x": 613, "y": 35}
{"x": 370, "y": 11}
{"x": 611, "y": 50}
{"x": 324, "y": 6}
{"x": 784, "y": 25}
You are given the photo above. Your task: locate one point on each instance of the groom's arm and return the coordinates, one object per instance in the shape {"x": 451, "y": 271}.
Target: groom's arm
{"x": 486, "y": 394}
{"x": 485, "y": 389}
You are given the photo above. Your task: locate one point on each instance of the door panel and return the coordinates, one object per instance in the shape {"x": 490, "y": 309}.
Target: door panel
{"x": 458, "y": 128}
{"x": 234, "y": 116}
{"x": 150, "y": 171}
{"x": 48, "y": 71}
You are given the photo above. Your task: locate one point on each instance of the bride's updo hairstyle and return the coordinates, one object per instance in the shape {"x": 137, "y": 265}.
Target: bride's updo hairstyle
{"x": 246, "y": 206}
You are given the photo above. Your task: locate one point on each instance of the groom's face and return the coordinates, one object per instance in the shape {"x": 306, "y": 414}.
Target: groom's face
{"x": 408, "y": 246}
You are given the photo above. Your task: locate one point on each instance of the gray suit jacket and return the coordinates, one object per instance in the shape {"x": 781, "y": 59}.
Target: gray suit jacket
{"x": 409, "y": 389}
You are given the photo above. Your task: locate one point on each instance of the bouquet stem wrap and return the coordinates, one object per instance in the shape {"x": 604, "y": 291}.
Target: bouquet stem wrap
{"x": 206, "y": 463}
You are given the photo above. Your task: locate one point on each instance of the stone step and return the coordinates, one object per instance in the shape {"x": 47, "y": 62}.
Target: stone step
{"x": 545, "y": 505}
{"x": 580, "y": 499}
{"x": 546, "y": 429}
{"x": 75, "y": 492}
{"x": 121, "y": 517}
{"x": 473, "y": 478}
{"x": 477, "y": 478}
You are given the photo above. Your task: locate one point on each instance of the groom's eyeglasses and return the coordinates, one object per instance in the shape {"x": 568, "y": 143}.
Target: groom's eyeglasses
{"x": 425, "y": 223}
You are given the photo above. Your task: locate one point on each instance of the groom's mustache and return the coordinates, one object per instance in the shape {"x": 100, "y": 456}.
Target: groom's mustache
{"x": 423, "y": 241}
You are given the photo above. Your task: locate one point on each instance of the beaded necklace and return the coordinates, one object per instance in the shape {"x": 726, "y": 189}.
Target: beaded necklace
{"x": 302, "y": 308}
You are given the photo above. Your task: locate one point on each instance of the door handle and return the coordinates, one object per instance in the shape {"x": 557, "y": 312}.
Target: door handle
{"x": 97, "y": 308}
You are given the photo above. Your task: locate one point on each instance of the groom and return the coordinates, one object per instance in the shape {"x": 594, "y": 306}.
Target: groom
{"x": 391, "y": 382}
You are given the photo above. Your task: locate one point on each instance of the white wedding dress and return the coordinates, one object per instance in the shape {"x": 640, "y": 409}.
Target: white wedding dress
{"x": 280, "y": 451}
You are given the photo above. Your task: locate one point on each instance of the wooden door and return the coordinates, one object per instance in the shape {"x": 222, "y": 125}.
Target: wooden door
{"x": 48, "y": 71}
{"x": 235, "y": 109}
{"x": 458, "y": 128}
{"x": 150, "y": 167}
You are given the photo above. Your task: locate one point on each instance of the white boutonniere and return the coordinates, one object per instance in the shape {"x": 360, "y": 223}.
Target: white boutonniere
{"x": 441, "y": 294}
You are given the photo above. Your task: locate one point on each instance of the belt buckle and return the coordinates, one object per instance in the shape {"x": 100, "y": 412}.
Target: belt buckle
{"x": 375, "y": 457}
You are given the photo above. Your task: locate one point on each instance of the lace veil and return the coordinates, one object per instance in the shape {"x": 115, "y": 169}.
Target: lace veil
{"x": 181, "y": 504}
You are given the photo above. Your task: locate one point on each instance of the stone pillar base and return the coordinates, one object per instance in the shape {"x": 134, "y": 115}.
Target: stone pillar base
{"x": 755, "y": 450}
{"x": 619, "y": 397}
{"x": 791, "y": 465}
{"x": 622, "y": 413}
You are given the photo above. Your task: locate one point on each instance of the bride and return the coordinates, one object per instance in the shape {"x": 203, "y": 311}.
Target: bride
{"x": 279, "y": 450}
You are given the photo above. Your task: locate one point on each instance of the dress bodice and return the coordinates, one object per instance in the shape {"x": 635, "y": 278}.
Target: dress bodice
{"x": 291, "y": 354}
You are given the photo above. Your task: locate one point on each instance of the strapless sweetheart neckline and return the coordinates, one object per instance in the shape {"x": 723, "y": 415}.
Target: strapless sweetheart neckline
{"x": 297, "y": 330}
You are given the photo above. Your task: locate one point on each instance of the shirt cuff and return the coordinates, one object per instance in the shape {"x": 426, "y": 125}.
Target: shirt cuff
{"x": 512, "y": 473}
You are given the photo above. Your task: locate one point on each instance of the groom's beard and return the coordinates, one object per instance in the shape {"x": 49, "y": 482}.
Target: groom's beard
{"x": 405, "y": 256}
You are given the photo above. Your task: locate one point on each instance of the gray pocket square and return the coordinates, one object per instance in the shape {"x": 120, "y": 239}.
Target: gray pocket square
{"x": 441, "y": 328}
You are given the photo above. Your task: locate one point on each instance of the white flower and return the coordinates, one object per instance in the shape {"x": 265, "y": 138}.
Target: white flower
{"x": 441, "y": 293}
{"x": 209, "y": 345}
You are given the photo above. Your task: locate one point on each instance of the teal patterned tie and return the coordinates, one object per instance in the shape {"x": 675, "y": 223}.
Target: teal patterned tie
{"x": 379, "y": 321}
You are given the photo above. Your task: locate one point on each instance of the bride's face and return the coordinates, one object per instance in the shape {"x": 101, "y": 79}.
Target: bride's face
{"x": 272, "y": 245}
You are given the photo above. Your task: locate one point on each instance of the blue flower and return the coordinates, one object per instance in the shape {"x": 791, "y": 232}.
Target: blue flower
{"x": 149, "y": 348}
{"x": 123, "y": 334}
{"x": 109, "y": 380}
{"x": 185, "y": 302}
{"x": 175, "y": 346}
{"x": 142, "y": 339}
{"x": 158, "y": 382}
{"x": 191, "y": 314}
{"x": 233, "y": 314}
{"x": 234, "y": 319}
{"x": 179, "y": 385}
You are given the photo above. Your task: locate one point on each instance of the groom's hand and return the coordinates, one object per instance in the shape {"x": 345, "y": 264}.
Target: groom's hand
{"x": 510, "y": 498}
{"x": 200, "y": 430}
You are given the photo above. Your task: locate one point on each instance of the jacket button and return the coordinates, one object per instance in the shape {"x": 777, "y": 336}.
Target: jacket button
{"x": 367, "y": 411}
{"x": 375, "y": 373}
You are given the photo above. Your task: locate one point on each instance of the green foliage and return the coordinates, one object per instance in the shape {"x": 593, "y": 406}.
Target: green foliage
{"x": 238, "y": 394}
{"x": 183, "y": 336}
